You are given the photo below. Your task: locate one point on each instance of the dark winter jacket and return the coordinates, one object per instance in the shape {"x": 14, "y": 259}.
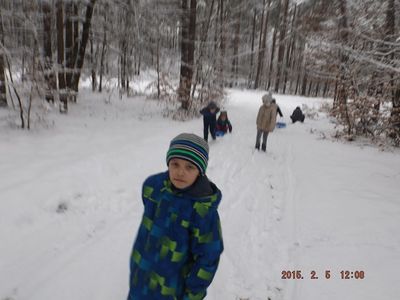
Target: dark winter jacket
{"x": 278, "y": 111}
{"x": 297, "y": 115}
{"x": 224, "y": 125}
{"x": 208, "y": 116}
{"x": 177, "y": 248}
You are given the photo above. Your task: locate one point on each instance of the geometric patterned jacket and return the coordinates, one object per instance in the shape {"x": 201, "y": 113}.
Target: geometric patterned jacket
{"x": 179, "y": 242}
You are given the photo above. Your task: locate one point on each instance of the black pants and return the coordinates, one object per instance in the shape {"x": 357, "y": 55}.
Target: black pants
{"x": 264, "y": 135}
{"x": 209, "y": 126}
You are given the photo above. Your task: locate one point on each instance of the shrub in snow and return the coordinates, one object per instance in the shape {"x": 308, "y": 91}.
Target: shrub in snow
{"x": 310, "y": 112}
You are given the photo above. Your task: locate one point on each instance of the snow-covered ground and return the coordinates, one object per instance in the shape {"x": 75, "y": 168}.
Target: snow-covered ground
{"x": 70, "y": 204}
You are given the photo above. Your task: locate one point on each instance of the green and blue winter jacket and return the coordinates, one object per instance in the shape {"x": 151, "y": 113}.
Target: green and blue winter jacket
{"x": 177, "y": 249}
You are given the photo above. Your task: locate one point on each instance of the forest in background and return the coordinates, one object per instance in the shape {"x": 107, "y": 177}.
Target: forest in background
{"x": 348, "y": 50}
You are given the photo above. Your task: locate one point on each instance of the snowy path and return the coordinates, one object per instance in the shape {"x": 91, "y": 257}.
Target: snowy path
{"x": 307, "y": 204}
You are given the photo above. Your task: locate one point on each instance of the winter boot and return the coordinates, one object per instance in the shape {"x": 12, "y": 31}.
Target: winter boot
{"x": 258, "y": 146}
{"x": 264, "y": 147}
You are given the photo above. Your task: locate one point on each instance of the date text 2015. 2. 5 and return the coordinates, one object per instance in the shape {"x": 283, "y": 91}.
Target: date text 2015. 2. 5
{"x": 326, "y": 274}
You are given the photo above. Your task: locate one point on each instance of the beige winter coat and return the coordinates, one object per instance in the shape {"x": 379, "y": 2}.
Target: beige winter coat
{"x": 266, "y": 117}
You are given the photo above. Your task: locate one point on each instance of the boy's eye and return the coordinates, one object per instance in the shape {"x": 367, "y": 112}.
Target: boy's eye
{"x": 190, "y": 167}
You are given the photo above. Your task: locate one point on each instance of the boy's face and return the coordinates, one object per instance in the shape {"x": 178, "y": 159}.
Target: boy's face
{"x": 213, "y": 110}
{"x": 182, "y": 173}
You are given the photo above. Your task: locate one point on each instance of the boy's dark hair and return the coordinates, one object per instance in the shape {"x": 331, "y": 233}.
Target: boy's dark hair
{"x": 212, "y": 105}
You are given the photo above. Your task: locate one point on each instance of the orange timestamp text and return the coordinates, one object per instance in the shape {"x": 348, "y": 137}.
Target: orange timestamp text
{"x": 326, "y": 274}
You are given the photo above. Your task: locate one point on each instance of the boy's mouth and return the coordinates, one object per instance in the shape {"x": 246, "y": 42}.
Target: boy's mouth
{"x": 179, "y": 180}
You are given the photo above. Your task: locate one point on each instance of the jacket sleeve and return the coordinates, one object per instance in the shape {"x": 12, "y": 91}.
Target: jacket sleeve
{"x": 203, "y": 111}
{"x": 279, "y": 112}
{"x": 272, "y": 123}
{"x": 258, "y": 121}
{"x": 147, "y": 191}
{"x": 206, "y": 247}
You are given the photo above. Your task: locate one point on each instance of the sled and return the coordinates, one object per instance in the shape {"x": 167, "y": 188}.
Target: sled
{"x": 219, "y": 133}
{"x": 280, "y": 124}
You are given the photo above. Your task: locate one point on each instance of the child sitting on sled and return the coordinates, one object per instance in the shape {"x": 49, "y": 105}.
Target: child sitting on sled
{"x": 223, "y": 124}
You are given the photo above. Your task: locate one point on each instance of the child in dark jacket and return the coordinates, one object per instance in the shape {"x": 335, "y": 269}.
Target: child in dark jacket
{"x": 209, "y": 119}
{"x": 223, "y": 123}
{"x": 179, "y": 242}
{"x": 278, "y": 109}
{"x": 297, "y": 115}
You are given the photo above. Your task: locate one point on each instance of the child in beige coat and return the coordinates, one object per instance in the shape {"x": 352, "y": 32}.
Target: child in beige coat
{"x": 266, "y": 119}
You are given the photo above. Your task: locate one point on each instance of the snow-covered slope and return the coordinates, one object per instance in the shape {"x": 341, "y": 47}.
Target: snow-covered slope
{"x": 70, "y": 204}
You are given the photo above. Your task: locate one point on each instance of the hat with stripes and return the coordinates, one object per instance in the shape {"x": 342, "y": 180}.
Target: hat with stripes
{"x": 190, "y": 147}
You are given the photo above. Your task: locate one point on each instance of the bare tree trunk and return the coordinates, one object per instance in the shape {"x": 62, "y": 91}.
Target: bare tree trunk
{"x": 289, "y": 51}
{"x": 262, "y": 46}
{"x": 292, "y": 63}
{"x": 304, "y": 84}
{"x": 299, "y": 64}
{"x": 158, "y": 56}
{"x": 187, "y": 52}
{"x": 199, "y": 66}
{"x": 69, "y": 43}
{"x": 326, "y": 89}
{"x": 271, "y": 64}
{"x": 82, "y": 45}
{"x": 158, "y": 68}
{"x": 183, "y": 84}
{"x": 343, "y": 80}
{"x": 252, "y": 47}
{"x": 23, "y": 52}
{"x": 93, "y": 62}
{"x": 3, "y": 94}
{"x": 309, "y": 88}
{"x": 316, "y": 92}
{"x": 3, "y": 90}
{"x": 297, "y": 83}
{"x": 60, "y": 58}
{"x": 191, "y": 43}
{"x": 395, "y": 111}
{"x": 48, "y": 54}
{"x": 123, "y": 62}
{"x": 222, "y": 36}
{"x": 296, "y": 56}
{"x": 103, "y": 48}
{"x": 343, "y": 85}
{"x": 76, "y": 49}
{"x": 236, "y": 42}
{"x": 282, "y": 43}
{"x": 34, "y": 63}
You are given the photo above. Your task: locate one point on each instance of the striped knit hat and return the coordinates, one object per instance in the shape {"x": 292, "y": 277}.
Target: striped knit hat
{"x": 190, "y": 147}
